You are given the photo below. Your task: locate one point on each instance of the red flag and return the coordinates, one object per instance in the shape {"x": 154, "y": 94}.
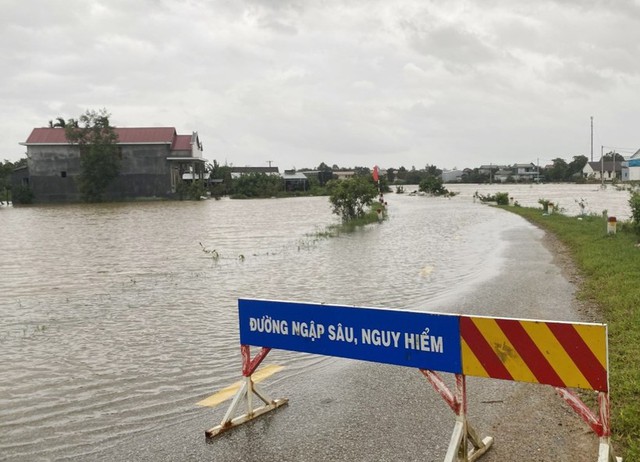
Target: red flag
{"x": 375, "y": 173}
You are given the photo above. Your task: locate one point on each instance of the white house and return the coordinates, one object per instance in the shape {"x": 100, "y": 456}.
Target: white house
{"x": 602, "y": 170}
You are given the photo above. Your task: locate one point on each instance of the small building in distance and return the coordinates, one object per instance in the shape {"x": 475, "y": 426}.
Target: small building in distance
{"x": 452, "y": 176}
{"x": 631, "y": 168}
{"x": 295, "y": 181}
{"x": 154, "y": 160}
{"x": 237, "y": 172}
{"x": 603, "y": 171}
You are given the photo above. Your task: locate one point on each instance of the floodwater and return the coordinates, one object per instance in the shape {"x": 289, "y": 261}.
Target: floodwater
{"x": 116, "y": 319}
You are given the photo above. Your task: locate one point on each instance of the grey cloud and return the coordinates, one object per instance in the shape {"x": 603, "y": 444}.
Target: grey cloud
{"x": 343, "y": 82}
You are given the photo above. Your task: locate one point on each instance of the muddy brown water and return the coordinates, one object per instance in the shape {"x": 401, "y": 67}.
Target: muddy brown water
{"x": 116, "y": 319}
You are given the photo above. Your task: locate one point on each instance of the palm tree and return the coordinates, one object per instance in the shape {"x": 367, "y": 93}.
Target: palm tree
{"x": 60, "y": 123}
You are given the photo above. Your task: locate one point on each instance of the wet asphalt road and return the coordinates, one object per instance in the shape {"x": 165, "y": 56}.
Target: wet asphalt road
{"x": 358, "y": 411}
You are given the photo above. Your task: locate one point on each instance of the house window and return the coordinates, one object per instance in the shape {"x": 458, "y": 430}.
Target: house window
{"x": 63, "y": 174}
{"x": 25, "y": 181}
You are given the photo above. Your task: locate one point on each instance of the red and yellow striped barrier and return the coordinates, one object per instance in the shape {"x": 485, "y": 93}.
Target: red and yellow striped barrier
{"x": 561, "y": 354}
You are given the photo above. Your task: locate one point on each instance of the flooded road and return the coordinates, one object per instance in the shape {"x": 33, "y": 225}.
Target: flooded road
{"x": 116, "y": 319}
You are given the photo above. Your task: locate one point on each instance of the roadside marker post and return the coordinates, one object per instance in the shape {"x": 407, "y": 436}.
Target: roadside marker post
{"x": 564, "y": 355}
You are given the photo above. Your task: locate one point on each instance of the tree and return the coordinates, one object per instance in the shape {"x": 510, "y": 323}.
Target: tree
{"x": 634, "y": 203}
{"x": 391, "y": 175}
{"x": 613, "y": 156}
{"x": 99, "y": 156}
{"x": 350, "y": 196}
{"x": 5, "y": 180}
{"x": 558, "y": 172}
{"x": 219, "y": 172}
{"x": 325, "y": 173}
{"x": 576, "y": 165}
{"x": 6, "y": 169}
{"x": 59, "y": 123}
{"x": 432, "y": 170}
{"x": 257, "y": 185}
{"x": 433, "y": 185}
{"x": 361, "y": 171}
{"x": 474, "y": 176}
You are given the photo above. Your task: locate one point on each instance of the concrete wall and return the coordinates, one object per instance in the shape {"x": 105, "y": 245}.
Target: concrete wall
{"x": 150, "y": 159}
{"x": 144, "y": 172}
{"x": 52, "y": 172}
{"x": 631, "y": 173}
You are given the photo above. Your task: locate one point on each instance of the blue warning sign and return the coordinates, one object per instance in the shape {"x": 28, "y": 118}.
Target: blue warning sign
{"x": 404, "y": 338}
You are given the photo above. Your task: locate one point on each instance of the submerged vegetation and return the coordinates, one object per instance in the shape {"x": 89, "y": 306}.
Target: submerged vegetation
{"x": 610, "y": 264}
{"x": 433, "y": 186}
{"x": 500, "y": 198}
{"x": 350, "y": 197}
{"x": 352, "y": 200}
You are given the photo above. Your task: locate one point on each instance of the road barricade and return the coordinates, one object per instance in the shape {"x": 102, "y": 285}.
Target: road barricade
{"x": 564, "y": 355}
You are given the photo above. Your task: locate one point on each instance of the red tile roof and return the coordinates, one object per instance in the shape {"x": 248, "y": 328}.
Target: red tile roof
{"x": 146, "y": 135}
{"x": 125, "y": 136}
{"x": 182, "y": 143}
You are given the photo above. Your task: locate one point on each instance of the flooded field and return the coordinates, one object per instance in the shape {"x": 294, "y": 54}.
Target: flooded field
{"x": 116, "y": 319}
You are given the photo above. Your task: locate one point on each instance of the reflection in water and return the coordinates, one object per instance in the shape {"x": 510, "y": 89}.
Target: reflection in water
{"x": 114, "y": 321}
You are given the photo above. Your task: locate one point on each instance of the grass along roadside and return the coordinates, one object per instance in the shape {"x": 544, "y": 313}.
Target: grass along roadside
{"x": 610, "y": 266}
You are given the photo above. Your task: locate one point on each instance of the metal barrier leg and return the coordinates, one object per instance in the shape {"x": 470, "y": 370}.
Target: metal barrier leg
{"x": 463, "y": 433}
{"x": 246, "y": 392}
{"x": 600, "y": 423}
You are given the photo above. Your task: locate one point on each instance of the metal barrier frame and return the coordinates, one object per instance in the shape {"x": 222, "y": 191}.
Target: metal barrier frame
{"x": 465, "y": 445}
{"x": 247, "y": 390}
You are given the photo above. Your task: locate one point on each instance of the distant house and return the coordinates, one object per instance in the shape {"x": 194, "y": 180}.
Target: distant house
{"x": 525, "y": 172}
{"x": 237, "y": 172}
{"x": 631, "y": 168}
{"x": 154, "y": 160}
{"x": 341, "y": 174}
{"x": 452, "y": 176}
{"x": 487, "y": 169}
{"x": 599, "y": 170}
{"x": 322, "y": 176}
{"x": 292, "y": 180}
{"x": 503, "y": 175}
{"x": 295, "y": 181}
{"x": 515, "y": 172}
{"x": 20, "y": 178}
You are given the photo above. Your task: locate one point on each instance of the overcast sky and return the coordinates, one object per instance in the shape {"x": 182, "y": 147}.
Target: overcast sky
{"x": 353, "y": 83}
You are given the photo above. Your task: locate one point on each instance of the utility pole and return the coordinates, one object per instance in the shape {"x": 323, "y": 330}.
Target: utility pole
{"x": 602, "y": 165}
{"x": 591, "y": 138}
{"x": 269, "y": 162}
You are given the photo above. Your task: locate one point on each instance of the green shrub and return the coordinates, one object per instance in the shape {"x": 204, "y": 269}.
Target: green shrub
{"x": 634, "y": 203}
{"x": 190, "y": 190}
{"x": 22, "y": 195}
{"x": 502, "y": 198}
{"x": 433, "y": 185}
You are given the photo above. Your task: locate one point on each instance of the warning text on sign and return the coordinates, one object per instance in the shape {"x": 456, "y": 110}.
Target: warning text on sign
{"x": 405, "y": 338}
